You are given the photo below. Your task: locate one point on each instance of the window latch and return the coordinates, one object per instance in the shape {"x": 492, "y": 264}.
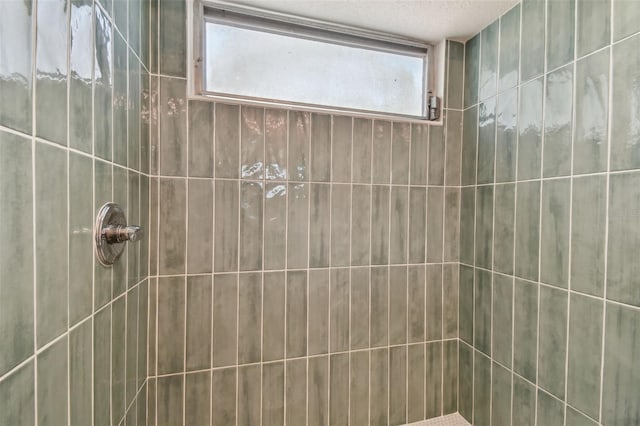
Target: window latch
{"x": 433, "y": 107}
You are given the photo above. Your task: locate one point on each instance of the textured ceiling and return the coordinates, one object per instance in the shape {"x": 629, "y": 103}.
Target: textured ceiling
{"x": 426, "y": 20}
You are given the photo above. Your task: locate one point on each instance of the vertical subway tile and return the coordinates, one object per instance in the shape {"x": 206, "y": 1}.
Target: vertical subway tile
{"x": 624, "y": 238}
{"x": 450, "y": 377}
{"x": 320, "y": 148}
{"x": 226, "y": 226}
{"x": 450, "y": 300}
{"x": 16, "y": 108}
{"x": 435, "y": 225}
{"x": 360, "y": 223}
{"x": 378, "y": 331}
{"x": 103, "y": 75}
{"x": 250, "y": 249}
{"x": 532, "y": 48}
{"x": 172, "y": 216}
{"x": 275, "y": 139}
{"x": 471, "y": 71}
{"x": 400, "y": 152}
{"x": 172, "y": 39}
{"x": 81, "y": 75}
{"x": 397, "y": 305}
{"x": 399, "y": 227}
{"x": 557, "y": 122}
{"x": 134, "y": 112}
{"x": 500, "y": 395}
{"x": 525, "y": 329}
{"x": 339, "y": 394}
{"x": 379, "y": 387}
{"x": 249, "y": 317}
{"x": 227, "y": 141}
{"x": 486, "y": 141}
{"x": 487, "y": 79}
{"x": 80, "y": 380}
{"x": 527, "y": 230}
{"x": 504, "y": 228}
{"x": 469, "y": 146}
{"x": 171, "y": 324}
{"x": 506, "y": 135}
{"x": 340, "y": 224}
{"x": 419, "y": 154}
{"x": 585, "y": 354}
{"x": 296, "y": 391}
{"x": 455, "y": 74}
{"x": 225, "y": 325}
{"x": 552, "y": 340}
{"x": 249, "y": 395}
{"x": 621, "y": 376}
{"x": 275, "y": 219}
{"x": 51, "y": 70}
{"x": 416, "y": 296}
{"x": 417, "y": 224}
{"x": 362, "y": 139}
{"x": 198, "y": 322}
{"x": 252, "y": 142}
{"x": 273, "y": 394}
{"x": 154, "y": 134}
{"x": 398, "y": 385}
{"x": 341, "y": 149}
{"x": 317, "y": 389}
{"x": 173, "y": 127}
{"x": 299, "y": 139}
{"x": 359, "y": 388}
{"x": 359, "y": 308}
{"x": 482, "y": 311}
{"x": 625, "y": 18}
{"x": 560, "y": 33}
{"x": 592, "y": 112}
{"x": 273, "y": 315}
{"x": 379, "y": 225}
{"x": 576, "y": 418}
{"x": 502, "y": 319}
{"x": 197, "y": 398}
{"x": 588, "y": 234}
{"x": 416, "y": 381}
{"x": 200, "y": 232}
{"x": 433, "y": 376}
{"x": 524, "y": 402}
{"x": 319, "y": 225}
{"x": 550, "y": 410}
{"x": 433, "y": 327}
{"x": 436, "y": 156}
{"x": 201, "y": 160}
{"x": 554, "y": 241}
{"x": 118, "y": 357}
{"x": 223, "y": 397}
{"x": 593, "y": 25}
{"x": 102, "y": 367}
{"x": 466, "y": 303}
{"x": 465, "y": 382}
{"x": 381, "y": 152}
{"x": 509, "y": 48}
{"x": 296, "y": 336}
{"x": 625, "y": 148}
{"x": 16, "y": 259}
{"x": 339, "y": 311}
{"x": 298, "y": 226}
{"x": 52, "y": 382}
{"x": 51, "y": 231}
{"x": 484, "y": 226}
{"x": 169, "y": 400}
{"x": 120, "y": 196}
{"x": 318, "y": 329}
{"x": 481, "y": 390}
{"x": 453, "y": 150}
{"x": 131, "y": 352}
{"x": 451, "y": 247}
{"x": 467, "y": 224}
{"x": 530, "y": 128}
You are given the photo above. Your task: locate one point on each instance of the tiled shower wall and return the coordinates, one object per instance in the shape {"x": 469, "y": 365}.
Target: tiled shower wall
{"x": 549, "y": 290}
{"x": 306, "y": 264}
{"x": 73, "y": 135}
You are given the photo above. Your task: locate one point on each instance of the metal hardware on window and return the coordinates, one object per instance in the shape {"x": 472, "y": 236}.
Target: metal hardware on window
{"x": 434, "y": 108}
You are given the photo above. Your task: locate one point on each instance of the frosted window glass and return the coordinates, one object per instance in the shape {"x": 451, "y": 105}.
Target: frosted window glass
{"x": 265, "y": 65}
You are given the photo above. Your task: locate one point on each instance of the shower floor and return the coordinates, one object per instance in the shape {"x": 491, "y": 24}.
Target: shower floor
{"x": 449, "y": 420}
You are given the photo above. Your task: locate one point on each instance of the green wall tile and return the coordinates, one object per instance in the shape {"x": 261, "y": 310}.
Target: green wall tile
{"x": 469, "y": 146}
{"x": 552, "y": 340}
{"x": 487, "y": 79}
{"x": 527, "y": 229}
{"x": 530, "y": 129}
{"x": 17, "y": 397}
{"x": 560, "y": 32}
{"x": 502, "y": 319}
{"x": 594, "y": 25}
{"x": 524, "y": 402}
{"x": 506, "y": 135}
{"x": 471, "y": 71}
{"x": 504, "y": 222}
{"x": 626, "y": 16}
{"x": 482, "y": 311}
{"x": 509, "y": 48}
{"x": 484, "y": 226}
{"x": 558, "y": 114}
{"x": 554, "y": 241}
{"x": 481, "y": 390}
{"x": 486, "y": 141}
{"x": 500, "y": 395}
{"x": 532, "y": 48}
{"x": 550, "y": 410}
{"x": 525, "y": 329}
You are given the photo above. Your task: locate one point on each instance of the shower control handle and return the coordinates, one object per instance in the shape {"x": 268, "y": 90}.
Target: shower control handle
{"x": 111, "y": 232}
{"x": 120, "y": 233}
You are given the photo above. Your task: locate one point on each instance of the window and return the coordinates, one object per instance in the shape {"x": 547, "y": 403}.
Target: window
{"x": 273, "y": 58}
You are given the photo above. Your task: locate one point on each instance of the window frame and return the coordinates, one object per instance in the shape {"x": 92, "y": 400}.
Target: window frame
{"x": 242, "y": 16}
